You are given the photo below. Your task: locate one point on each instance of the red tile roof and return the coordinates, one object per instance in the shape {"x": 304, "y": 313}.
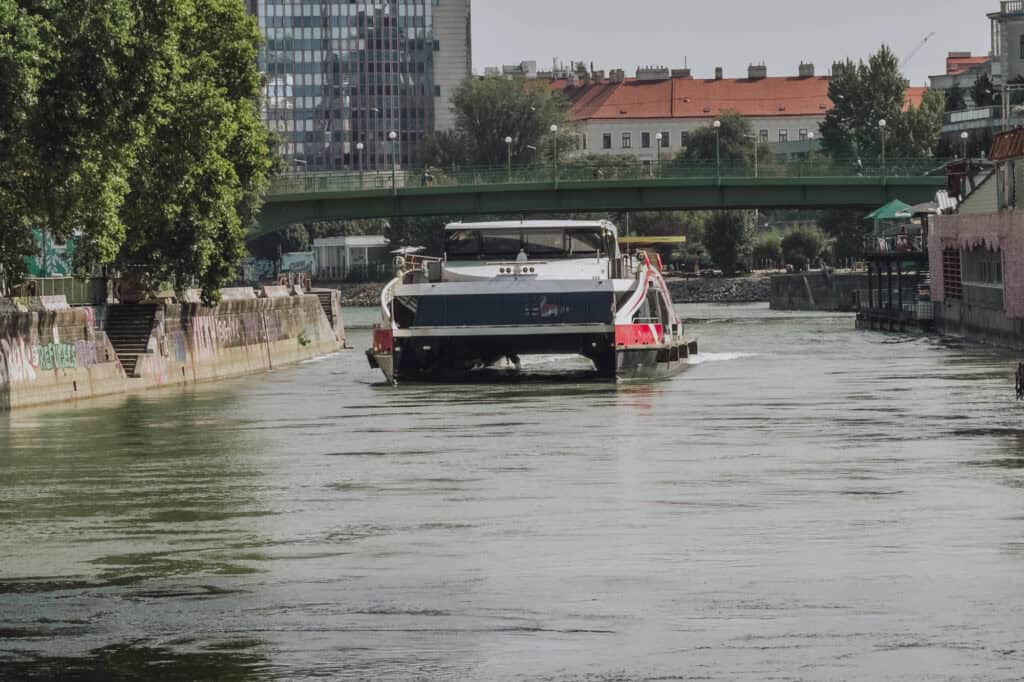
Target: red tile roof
{"x": 699, "y": 98}
{"x": 914, "y": 95}
{"x": 1008, "y": 145}
{"x": 957, "y": 64}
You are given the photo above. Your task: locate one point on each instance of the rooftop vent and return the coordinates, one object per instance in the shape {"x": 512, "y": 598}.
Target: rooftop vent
{"x": 616, "y": 75}
{"x": 806, "y": 70}
{"x": 682, "y": 73}
{"x": 756, "y": 72}
{"x": 718, "y": 73}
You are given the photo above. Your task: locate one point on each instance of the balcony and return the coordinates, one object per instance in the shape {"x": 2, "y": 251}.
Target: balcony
{"x": 1012, "y": 7}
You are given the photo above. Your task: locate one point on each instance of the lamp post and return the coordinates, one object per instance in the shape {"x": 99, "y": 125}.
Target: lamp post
{"x": 881, "y": 127}
{"x": 554, "y": 140}
{"x": 657, "y": 144}
{"x": 508, "y": 156}
{"x": 359, "y": 148}
{"x": 717, "y": 125}
{"x": 756, "y": 140}
{"x": 963, "y": 141}
{"x": 393, "y": 136}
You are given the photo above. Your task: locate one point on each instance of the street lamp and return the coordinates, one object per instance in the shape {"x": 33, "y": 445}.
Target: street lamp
{"x": 757, "y": 141}
{"x": 508, "y": 147}
{"x": 657, "y": 144}
{"x": 359, "y": 148}
{"x": 963, "y": 141}
{"x": 881, "y": 127}
{"x": 717, "y": 125}
{"x": 393, "y": 136}
{"x": 554, "y": 138}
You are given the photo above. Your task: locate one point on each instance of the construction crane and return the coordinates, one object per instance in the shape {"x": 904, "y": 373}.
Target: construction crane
{"x": 918, "y": 48}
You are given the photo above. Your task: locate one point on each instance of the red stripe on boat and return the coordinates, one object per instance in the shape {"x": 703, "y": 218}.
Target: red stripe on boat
{"x": 639, "y": 334}
{"x": 383, "y": 341}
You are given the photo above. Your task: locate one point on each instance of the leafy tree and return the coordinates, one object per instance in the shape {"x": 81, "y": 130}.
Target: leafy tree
{"x": 956, "y": 98}
{"x": 487, "y": 110}
{"x": 105, "y": 69}
{"x": 848, "y": 229}
{"x": 727, "y": 237}
{"x": 23, "y": 64}
{"x": 802, "y": 247}
{"x": 734, "y": 141}
{"x": 983, "y": 92}
{"x": 196, "y": 189}
{"x": 444, "y": 149}
{"x": 862, "y": 95}
{"x": 916, "y": 131}
{"x": 767, "y": 250}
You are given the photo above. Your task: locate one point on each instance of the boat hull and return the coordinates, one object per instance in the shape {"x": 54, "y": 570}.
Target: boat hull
{"x": 426, "y": 359}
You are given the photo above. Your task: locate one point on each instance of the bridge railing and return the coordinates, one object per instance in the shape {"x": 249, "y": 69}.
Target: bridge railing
{"x": 577, "y": 171}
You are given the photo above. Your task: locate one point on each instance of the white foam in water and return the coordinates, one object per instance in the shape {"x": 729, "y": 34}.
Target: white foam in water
{"x": 704, "y": 358}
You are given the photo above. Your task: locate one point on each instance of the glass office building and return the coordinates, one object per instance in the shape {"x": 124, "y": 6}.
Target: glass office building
{"x": 344, "y": 72}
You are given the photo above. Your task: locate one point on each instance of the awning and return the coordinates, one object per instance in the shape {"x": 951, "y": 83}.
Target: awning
{"x": 889, "y": 212}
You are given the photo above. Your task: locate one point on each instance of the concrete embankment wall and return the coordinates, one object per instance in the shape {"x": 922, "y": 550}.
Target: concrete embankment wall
{"x": 55, "y": 356}
{"x": 824, "y": 291}
{"x": 52, "y": 357}
{"x": 192, "y": 344}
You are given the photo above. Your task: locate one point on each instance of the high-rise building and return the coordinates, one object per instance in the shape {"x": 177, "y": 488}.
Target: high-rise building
{"x": 342, "y": 75}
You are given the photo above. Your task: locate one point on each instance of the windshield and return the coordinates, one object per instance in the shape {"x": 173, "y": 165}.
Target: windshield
{"x": 546, "y": 244}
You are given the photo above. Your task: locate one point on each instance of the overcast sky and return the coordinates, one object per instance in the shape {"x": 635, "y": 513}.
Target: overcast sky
{"x": 728, "y": 33}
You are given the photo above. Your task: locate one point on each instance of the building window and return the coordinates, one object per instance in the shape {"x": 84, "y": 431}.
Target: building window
{"x": 951, "y": 279}
{"x": 1022, "y": 47}
{"x": 803, "y": 134}
{"x": 607, "y": 141}
{"x": 665, "y": 139}
{"x": 437, "y": 91}
{"x": 783, "y": 135}
{"x": 584, "y": 136}
{"x": 645, "y": 140}
{"x": 764, "y": 136}
{"x": 627, "y": 140}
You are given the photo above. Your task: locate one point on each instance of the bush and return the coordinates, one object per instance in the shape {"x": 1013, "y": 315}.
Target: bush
{"x": 801, "y": 248}
{"x": 727, "y": 239}
{"x": 767, "y": 252}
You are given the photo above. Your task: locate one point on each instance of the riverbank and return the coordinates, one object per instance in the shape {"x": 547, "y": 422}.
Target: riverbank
{"x": 52, "y": 356}
{"x": 749, "y": 289}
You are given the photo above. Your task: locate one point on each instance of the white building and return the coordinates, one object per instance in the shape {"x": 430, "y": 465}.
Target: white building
{"x": 620, "y": 115}
{"x": 339, "y": 258}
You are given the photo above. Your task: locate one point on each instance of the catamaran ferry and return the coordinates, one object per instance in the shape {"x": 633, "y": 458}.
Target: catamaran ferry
{"x": 508, "y": 289}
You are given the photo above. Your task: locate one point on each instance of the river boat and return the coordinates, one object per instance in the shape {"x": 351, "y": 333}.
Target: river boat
{"x": 504, "y": 290}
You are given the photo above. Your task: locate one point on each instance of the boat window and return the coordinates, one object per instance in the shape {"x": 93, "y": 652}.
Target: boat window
{"x": 589, "y": 243}
{"x": 544, "y": 243}
{"x": 499, "y": 244}
{"x": 462, "y": 243}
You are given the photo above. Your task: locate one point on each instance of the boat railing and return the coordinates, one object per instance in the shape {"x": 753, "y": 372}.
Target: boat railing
{"x": 387, "y": 297}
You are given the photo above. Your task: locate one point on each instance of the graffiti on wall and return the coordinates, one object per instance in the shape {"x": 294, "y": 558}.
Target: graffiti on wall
{"x": 21, "y": 362}
{"x": 210, "y": 333}
{"x": 16, "y": 365}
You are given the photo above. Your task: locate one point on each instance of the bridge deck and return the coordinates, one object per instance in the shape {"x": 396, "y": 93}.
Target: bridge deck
{"x": 489, "y": 191}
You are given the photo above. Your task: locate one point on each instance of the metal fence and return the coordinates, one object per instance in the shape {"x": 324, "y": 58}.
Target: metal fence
{"x": 599, "y": 171}
{"x": 89, "y": 291}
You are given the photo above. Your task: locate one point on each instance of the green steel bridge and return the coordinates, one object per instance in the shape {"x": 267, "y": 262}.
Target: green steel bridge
{"x": 573, "y": 188}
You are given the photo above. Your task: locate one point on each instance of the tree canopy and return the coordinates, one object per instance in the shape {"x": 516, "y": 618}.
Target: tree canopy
{"x": 862, "y": 94}
{"x": 487, "y": 110}
{"x": 735, "y": 141}
{"x": 133, "y": 126}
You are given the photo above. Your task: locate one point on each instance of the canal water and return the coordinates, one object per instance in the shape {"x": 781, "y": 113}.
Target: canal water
{"x": 804, "y": 502}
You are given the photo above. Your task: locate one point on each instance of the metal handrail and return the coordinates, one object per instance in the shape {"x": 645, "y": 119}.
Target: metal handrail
{"x": 588, "y": 172}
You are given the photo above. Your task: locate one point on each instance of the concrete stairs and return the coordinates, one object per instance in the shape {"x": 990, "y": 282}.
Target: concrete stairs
{"x": 325, "y": 303}
{"x": 128, "y": 328}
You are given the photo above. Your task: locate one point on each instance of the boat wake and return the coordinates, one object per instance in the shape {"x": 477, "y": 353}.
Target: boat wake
{"x": 706, "y": 358}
